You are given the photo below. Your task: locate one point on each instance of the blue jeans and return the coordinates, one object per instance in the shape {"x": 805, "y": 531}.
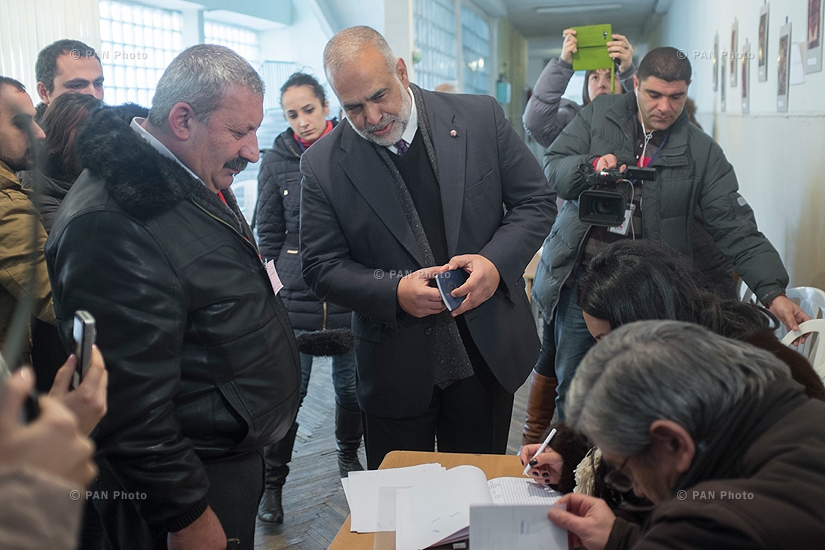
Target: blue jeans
{"x": 343, "y": 378}
{"x": 573, "y": 341}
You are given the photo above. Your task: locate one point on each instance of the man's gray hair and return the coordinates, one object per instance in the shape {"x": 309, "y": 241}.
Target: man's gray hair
{"x": 663, "y": 370}
{"x": 199, "y": 77}
{"x": 345, "y": 47}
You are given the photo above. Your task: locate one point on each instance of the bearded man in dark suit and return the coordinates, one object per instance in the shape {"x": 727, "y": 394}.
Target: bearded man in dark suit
{"x": 419, "y": 183}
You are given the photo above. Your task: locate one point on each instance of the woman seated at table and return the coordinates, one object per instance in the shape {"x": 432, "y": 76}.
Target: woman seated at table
{"x": 646, "y": 280}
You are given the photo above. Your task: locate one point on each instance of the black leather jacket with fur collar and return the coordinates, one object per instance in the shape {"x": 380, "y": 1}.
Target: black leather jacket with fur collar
{"x": 201, "y": 357}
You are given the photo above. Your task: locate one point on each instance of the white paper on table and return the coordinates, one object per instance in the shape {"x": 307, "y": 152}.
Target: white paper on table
{"x": 385, "y": 520}
{"x": 438, "y": 508}
{"x": 521, "y": 527}
{"x": 798, "y": 53}
{"x": 364, "y": 486}
{"x": 511, "y": 491}
{"x": 404, "y": 537}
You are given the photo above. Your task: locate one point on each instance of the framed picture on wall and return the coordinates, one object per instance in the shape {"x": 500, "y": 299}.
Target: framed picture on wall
{"x": 783, "y": 68}
{"x": 746, "y": 78}
{"x": 813, "y": 63}
{"x": 734, "y": 48}
{"x": 723, "y": 100}
{"x": 762, "y": 44}
{"x": 716, "y": 62}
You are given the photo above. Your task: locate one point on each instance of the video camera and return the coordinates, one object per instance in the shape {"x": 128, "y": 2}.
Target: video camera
{"x": 606, "y": 202}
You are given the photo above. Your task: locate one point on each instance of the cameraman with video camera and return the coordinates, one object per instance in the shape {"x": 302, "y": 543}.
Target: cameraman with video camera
{"x": 647, "y": 129}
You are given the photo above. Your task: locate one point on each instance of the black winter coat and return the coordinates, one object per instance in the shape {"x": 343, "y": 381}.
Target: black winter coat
{"x": 50, "y": 193}
{"x": 201, "y": 357}
{"x": 277, "y": 219}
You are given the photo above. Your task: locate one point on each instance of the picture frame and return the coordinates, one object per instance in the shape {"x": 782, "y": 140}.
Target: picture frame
{"x": 783, "y": 66}
{"x": 813, "y": 61}
{"x": 746, "y": 77}
{"x": 762, "y": 44}
{"x": 723, "y": 104}
{"x": 732, "y": 54}
{"x": 716, "y": 63}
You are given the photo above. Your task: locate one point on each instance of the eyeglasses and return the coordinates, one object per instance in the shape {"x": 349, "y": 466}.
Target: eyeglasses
{"x": 618, "y": 479}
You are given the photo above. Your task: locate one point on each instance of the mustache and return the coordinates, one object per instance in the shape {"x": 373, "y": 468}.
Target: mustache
{"x": 386, "y": 119}
{"x": 238, "y": 163}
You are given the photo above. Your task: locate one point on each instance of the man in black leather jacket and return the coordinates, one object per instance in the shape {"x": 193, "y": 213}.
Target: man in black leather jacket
{"x": 203, "y": 364}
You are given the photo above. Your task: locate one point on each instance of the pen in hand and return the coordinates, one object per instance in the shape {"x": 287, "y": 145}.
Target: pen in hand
{"x": 541, "y": 450}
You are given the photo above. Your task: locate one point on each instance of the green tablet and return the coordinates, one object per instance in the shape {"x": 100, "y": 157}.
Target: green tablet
{"x": 592, "y": 48}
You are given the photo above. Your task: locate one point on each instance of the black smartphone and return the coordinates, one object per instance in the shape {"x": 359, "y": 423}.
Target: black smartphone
{"x": 83, "y": 334}
{"x": 449, "y": 281}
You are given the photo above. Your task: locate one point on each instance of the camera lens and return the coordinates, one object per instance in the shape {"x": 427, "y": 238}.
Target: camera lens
{"x": 605, "y": 207}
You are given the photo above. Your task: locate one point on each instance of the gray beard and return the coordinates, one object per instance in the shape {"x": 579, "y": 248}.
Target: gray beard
{"x": 401, "y": 122}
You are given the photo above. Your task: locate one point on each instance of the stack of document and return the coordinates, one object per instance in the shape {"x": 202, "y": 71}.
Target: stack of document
{"x": 429, "y": 505}
{"x": 364, "y": 490}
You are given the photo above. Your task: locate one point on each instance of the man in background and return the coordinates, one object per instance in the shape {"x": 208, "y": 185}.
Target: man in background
{"x": 648, "y": 129}
{"x": 67, "y": 67}
{"x": 22, "y": 264}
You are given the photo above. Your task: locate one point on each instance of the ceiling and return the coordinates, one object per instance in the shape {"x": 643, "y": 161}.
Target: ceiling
{"x": 543, "y": 28}
{"x": 633, "y": 18}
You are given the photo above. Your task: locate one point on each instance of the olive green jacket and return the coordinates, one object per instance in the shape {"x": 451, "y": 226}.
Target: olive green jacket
{"x": 18, "y": 219}
{"x": 692, "y": 172}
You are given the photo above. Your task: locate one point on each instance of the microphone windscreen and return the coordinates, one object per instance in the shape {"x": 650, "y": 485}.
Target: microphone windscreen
{"x": 326, "y": 343}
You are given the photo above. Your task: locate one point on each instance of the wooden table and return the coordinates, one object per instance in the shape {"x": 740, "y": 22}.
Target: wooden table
{"x": 492, "y": 466}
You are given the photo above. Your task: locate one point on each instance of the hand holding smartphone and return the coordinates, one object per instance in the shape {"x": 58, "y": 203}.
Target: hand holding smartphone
{"x": 449, "y": 281}
{"x": 83, "y": 334}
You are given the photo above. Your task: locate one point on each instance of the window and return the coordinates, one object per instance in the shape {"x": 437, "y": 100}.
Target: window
{"x": 475, "y": 42}
{"x": 243, "y": 40}
{"x": 138, "y": 43}
{"x": 434, "y": 37}
{"x": 453, "y": 39}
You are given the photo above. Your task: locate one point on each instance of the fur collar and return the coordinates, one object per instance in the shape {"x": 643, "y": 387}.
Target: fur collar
{"x": 143, "y": 182}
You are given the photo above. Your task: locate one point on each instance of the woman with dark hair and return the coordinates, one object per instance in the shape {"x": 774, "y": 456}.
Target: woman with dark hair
{"x": 647, "y": 280}
{"x": 57, "y": 169}
{"x": 59, "y": 166}
{"x": 277, "y": 217}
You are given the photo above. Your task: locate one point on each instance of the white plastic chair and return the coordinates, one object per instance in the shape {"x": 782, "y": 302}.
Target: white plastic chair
{"x": 810, "y": 299}
{"x": 814, "y": 348}
{"x": 745, "y": 294}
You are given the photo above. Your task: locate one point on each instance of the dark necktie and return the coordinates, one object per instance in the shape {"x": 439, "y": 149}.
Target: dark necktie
{"x": 402, "y": 147}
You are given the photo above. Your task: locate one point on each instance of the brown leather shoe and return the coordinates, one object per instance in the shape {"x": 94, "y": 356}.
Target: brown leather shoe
{"x": 541, "y": 404}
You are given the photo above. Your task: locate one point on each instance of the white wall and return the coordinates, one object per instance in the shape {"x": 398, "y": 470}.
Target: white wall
{"x": 302, "y": 42}
{"x": 398, "y": 30}
{"x": 778, "y": 158}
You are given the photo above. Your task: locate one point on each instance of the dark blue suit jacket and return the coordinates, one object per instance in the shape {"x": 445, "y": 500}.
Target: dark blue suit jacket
{"x": 356, "y": 243}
